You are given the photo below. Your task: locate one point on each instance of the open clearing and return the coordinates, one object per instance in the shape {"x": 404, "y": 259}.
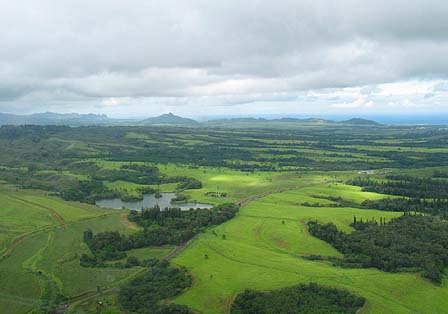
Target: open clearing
{"x": 261, "y": 252}
{"x": 41, "y": 253}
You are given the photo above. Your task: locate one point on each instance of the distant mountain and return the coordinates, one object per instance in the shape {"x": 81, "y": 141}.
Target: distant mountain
{"x": 76, "y": 119}
{"x": 307, "y": 120}
{"x": 360, "y": 121}
{"x": 169, "y": 118}
{"x": 51, "y": 118}
{"x": 234, "y": 120}
{"x": 258, "y": 120}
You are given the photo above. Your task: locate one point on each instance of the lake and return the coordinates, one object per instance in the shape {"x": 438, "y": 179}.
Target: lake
{"x": 149, "y": 200}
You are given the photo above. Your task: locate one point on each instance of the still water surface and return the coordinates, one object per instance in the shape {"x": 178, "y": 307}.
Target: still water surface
{"x": 149, "y": 200}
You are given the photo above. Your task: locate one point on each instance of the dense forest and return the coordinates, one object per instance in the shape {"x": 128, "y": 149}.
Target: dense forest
{"x": 404, "y": 185}
{"x": 437, "y": 207}
{"x": 143, "y": 295}
{"x": 427, "y": 195}
{"x": 410, "y": 242}
{"x": 310, "y": 298}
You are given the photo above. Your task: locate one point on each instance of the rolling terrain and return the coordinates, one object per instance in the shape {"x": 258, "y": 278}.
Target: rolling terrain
{"x": 280, "y": 178}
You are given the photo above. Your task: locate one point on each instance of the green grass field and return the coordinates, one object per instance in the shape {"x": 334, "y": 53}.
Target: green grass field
{"x": 46, "y": 260}
{"x": 261, "y": 252}
{"x": 263, "y": 248}
{"x": 237, "y": 184}
{"x": 291, "y": 173}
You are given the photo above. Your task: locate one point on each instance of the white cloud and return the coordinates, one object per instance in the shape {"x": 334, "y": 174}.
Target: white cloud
{"x": 358, "y": 103}
{"x": 406, "y": 88}
{"x": 299, "y": 56}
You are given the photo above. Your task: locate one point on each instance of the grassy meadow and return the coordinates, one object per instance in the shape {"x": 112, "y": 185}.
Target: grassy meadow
{"x": 264, "y": 248}
{"x": 282, "y": 174}
{"x": 44, "y": 260}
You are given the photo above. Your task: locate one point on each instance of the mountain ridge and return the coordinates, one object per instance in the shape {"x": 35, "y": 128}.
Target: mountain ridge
{"x": 76, "y": 119}
{"x": 169, "y": 118}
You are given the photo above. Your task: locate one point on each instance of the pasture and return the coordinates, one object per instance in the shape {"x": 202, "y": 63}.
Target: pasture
{"x": 42, "y": 247}
{"x": 264, "y": 248}
{"x": 281, "y": 177}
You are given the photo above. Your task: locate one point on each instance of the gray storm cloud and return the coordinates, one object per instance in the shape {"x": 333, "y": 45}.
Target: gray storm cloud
{"x": 61, "y": 51}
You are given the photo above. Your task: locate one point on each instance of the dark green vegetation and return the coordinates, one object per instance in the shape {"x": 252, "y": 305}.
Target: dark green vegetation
{"x": 312, "y": 299}
{"x": 404, "y": 185}
{"x": 419, "y": 194}
{"x": 85, "y": 181}
{"x": 161, "y": 227}
{"x": 143, "y": 294}
{"x": 58, "y": 250}
{"x": 32, "y": 149}
{"x": 193, "y": 221}
{"x": 438, "y": 207}
{"x": 408, "y": 242}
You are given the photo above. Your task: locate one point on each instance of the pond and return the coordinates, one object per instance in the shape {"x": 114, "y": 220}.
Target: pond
{"x": 149, "y": 200}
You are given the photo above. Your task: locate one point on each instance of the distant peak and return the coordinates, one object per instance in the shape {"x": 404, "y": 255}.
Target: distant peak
{"x": 360, "y": 121}
{"x": 169, "y": 118}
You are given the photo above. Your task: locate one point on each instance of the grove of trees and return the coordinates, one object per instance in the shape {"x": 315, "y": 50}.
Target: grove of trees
{"x": 409, "y": 242}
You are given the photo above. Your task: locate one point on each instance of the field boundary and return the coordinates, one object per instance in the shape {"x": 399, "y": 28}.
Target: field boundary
{"x": 56, "y": 217}
{"x": 267, "y": 193}
{"x": 9, "y": 250}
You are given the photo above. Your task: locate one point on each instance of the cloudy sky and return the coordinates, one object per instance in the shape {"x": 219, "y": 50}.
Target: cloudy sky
{"x": 196, "y": 58}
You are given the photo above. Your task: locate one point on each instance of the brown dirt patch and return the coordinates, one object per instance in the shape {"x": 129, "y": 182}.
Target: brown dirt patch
{"x": 125, "y": 221}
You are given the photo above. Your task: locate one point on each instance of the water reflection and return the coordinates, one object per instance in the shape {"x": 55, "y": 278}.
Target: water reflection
{"x": 149, "y": 200}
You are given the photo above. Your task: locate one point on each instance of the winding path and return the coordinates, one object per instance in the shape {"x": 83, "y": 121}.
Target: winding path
{"x": 264, "y": 194}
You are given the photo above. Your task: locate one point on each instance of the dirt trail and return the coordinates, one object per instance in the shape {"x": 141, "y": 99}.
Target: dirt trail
{"x": 179, "y": 249}
{"x": 125, "y": 221}
{"x": 14, "y": 244}
{"x": 56, "y": 217}
{"x": 261, "y": 195}
{"x": 24, "y": 236}
{"x": 229, "y": 303}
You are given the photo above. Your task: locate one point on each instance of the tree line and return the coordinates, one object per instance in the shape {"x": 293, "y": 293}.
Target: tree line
{"x": 409, "y": 242}
{"x": 160, "y": 227}
{"x": 404, "y": 185}
{"x": 437, "y": 207}
{"x": 311, "y": 298}
{"x": 143, "y": 295}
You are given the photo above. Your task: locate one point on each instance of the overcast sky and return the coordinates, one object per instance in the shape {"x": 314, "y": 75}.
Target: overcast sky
{"x": 141, "y": 58}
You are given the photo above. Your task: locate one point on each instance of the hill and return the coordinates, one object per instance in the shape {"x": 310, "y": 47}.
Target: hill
{"x": 169, "y": 118}
{"x": 307, "y": 120}
{"x": 360, "y": 121}
{"x": 263, "y": 120}
{"x": 51, "y": 118}
{"x": 76, "y": 119}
